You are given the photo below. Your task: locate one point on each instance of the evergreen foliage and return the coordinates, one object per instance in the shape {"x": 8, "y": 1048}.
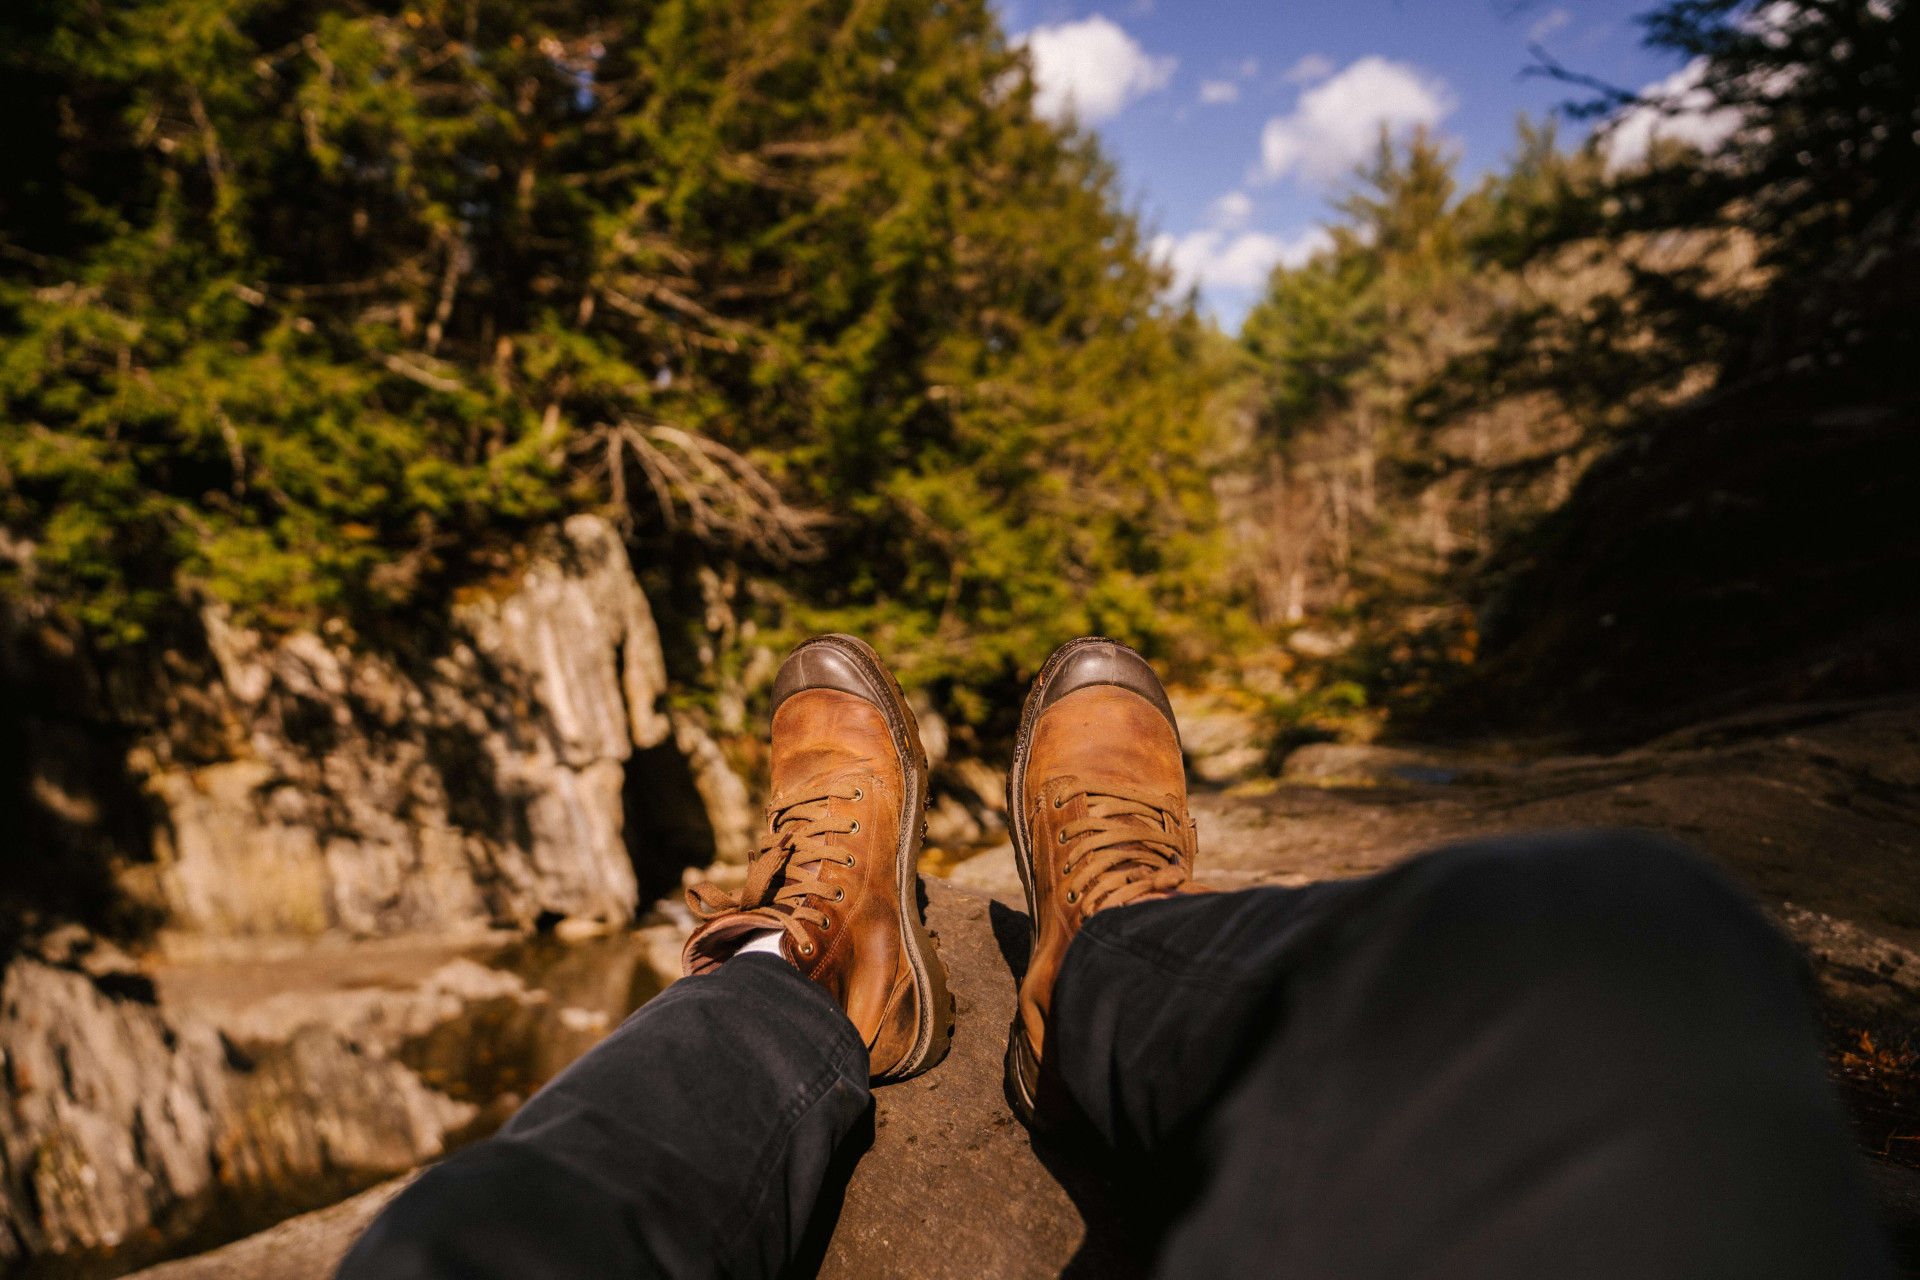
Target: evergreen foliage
{"x": 1434, "y": 383}
{"x": 316, "y": 307}
{"x": 1377, "y": 503}
{"x": 1819, "y": 168}
{"x": 1824, "y": 97}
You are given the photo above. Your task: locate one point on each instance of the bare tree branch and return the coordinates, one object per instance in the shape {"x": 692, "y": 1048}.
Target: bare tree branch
{"x": 421, "y": 376}
{"x": 1612, "y": 96}
{"x": 721, "y": 495}
{"x": 459, "y": 259}
{"x": 209, "y": 144}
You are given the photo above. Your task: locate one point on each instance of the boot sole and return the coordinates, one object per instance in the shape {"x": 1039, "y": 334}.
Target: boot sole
{"x": 935, "y": 1032}
{"x": 1023, "y": 1068}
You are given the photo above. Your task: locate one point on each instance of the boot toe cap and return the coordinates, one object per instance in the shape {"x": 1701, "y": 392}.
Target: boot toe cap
{"x": 824, "y": 663}
{"x": 1097, "y": 661}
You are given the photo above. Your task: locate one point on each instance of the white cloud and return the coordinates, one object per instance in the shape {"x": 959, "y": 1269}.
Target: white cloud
{"x": 1335, "y": 125}
{"x": 1687, "y": 114}
{"x": 1231, "y": 210}
{"x": 1219, "y": 91}
{"x": 1310, "y": 68}
{"x": 1090, "y": 70}
{"x": 1225, "y": 258}
{"x": 1548, "y": 24}
{"x": 1249, "y": 68}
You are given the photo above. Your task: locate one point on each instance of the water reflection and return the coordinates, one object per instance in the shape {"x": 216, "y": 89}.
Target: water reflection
{"x": 498, "y": 1052}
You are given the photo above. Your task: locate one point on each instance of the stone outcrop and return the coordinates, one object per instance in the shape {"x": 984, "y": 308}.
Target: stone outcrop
{"x": 122, "y": 1119}
{"x": 343, "y": 838}
{"x": 1223, "y": 742}
{"x": 1867, "y": 979}
{"x": 84, "y": 1075}
{"x": 730, "y": 811}
{"x": 486, "y": 785}
{"x": 151, "y": 1107}
{"x": 1361, "y": 764}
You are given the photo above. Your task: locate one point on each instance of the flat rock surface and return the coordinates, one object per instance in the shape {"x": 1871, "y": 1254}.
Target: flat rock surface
{"x": 1818, "y": 809}
{"x": 308, "y": 1247}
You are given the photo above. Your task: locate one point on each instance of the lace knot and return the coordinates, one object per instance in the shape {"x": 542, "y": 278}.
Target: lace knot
{"x": 783, "y": 874}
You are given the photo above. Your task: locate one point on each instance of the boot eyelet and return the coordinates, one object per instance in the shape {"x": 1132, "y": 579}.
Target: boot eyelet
{"x": 855, "y": 828}
{"x": 840, "y": 895}
{"x": 1072, "y": 896}
{"x": 826, "y": 926}
{"x": 848, "y": 862}
{"x": 1066, "y": 868}
{"x": 1059, "y": 802}
{"x": 1063, "y": 837}
{"x": 858, "y": 794}
{"x": 806, "y": 948}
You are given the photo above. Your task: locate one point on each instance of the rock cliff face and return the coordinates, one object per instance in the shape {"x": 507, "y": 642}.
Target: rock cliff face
{"x": 154, "y": 1108}
{"x": 337, "y": 838}
{"x": 127, "y": 1125}
{"x": 487, "y": 787}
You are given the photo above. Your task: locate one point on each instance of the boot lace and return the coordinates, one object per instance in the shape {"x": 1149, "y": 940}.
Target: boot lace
{"x": 1129, "y": 845}
{"x": 783, "y": 874}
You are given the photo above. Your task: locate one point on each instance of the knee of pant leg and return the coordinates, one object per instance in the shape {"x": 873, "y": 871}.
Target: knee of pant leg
{"x": 1626, "y": 910}
{"x": 1616, "y": 879}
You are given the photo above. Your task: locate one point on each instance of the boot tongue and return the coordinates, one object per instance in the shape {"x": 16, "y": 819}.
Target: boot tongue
{"x": 813, "y": 771}
{"x": 716, "y": 942}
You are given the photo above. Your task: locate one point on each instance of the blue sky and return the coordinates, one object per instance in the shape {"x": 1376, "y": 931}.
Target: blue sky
{"x": 1234, "y": 122}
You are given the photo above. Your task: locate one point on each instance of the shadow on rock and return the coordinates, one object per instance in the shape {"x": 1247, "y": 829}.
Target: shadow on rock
{"x": 1013, "y": 931}
{"x": 1124, "y": 1227}
{"x": 812, "y": 1253}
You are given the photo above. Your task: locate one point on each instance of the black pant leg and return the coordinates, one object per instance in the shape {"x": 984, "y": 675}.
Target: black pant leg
{"x": 1579, "y": 1055}
{"x": 692, "y": 1142}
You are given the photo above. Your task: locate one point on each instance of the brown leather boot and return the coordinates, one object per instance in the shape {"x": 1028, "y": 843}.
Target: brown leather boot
{"x": 839, "y": 872}
{"x": 1098, "y": 800}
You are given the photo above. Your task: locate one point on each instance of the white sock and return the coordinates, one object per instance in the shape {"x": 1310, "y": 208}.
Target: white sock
{"x": 766, "y": 941}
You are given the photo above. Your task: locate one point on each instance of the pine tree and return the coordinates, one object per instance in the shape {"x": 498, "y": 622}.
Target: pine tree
{"x": 318, "y": 306}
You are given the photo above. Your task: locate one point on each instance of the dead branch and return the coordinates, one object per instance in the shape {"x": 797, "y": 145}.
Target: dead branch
{"x": 415, "y": 373}
{"x": 650, "y": 318}
{"x": 209, "y": 145}
{"x": 721, "y": 495}
{"x": 459, "y": 259}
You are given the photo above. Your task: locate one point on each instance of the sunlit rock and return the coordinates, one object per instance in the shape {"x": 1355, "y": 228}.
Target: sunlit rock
{"x": 486, "y": 785}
